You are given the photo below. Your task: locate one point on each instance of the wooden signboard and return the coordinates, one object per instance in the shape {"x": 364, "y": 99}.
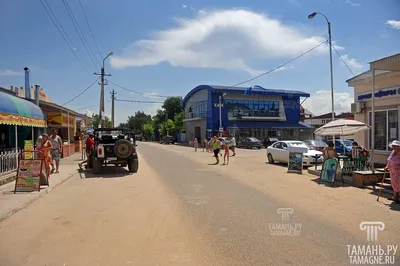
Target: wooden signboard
{"x": 295, "y": 162}
{"x": 28, "y": 174}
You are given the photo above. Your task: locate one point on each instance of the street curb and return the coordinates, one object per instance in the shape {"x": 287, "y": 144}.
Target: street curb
{"x": 8, "y": 178}
{"x": 41, "y": 194}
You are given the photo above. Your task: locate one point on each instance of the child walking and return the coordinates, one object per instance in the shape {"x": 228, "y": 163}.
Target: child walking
{"x": 205, "y": 144}
{"x": 226, "y": 155}
{"x": 195, "y": 144}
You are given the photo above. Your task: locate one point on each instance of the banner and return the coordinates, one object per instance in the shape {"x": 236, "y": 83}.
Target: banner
{"x": 8, "y": 119}
{"x": 328, "y": 172}
{"x": 295, "y": 162}
{"x": 28, "y": 146}
{"x": 60, "y": 119}
{"x": 28, "y": 176}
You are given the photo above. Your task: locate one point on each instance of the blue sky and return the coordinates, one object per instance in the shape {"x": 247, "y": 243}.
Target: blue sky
{"x": 169, "y": 47}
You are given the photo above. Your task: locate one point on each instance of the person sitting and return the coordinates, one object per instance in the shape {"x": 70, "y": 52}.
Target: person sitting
{"x": 356, "y": 151}
{"x": 330, "y": 151}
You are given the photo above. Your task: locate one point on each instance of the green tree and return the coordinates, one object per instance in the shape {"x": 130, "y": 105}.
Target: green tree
{"x": 172, "y": 105}
{"x": 167, "y": 126}
{"x": 107, "y": 121}
{"x": 148, "y": 129}
{"x": 123, "y": 125}
{"x": 178, "y": 121}
{"x": 137, "y": 121}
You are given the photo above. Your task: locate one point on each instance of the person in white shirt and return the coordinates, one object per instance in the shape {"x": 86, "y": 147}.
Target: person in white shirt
{"x": 56, "y": 150}
{"x": 233, "y": 145}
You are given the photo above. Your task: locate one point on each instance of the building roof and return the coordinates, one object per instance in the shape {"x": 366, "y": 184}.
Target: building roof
{"x": 329, "y": 115}
{"x": 254, "y": 90}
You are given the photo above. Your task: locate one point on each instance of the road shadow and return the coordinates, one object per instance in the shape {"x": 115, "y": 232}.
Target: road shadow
{"x": 338, "y": 183}
{"x": 106, "y": 172}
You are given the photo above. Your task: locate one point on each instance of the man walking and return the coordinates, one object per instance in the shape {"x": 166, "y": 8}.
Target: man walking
{"x": 216, "y": 146}
{"x": 233, "y": 145}
{"x": 56, "y": 150}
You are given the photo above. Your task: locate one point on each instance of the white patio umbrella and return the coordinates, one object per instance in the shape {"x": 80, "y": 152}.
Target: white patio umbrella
{"x": 342, "y": 127}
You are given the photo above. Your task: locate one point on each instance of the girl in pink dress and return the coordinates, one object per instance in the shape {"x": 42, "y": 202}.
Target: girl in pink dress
{"x": 393, "y": 164}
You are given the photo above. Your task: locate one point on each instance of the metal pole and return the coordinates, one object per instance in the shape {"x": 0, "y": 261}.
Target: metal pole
{"x": 16, "y": 143}
{"x": 112, "y": 108}
{"x": 101, "y": 112}
{"x": 331, "y": 69}
{"x": 373, "y": 123}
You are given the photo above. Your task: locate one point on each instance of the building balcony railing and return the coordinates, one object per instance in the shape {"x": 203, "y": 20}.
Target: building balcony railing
{"x": 193, "y": 115}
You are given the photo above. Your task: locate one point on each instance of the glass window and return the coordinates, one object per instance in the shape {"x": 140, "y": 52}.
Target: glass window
{"x": 386, "y": 129}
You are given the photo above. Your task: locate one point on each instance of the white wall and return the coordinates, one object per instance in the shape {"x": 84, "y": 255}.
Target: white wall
{"x": 199, "y": 96}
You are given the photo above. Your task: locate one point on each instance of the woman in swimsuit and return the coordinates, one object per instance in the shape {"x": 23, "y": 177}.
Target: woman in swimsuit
{"x": 226, "y": 155}
{"x": 46, "y": 147}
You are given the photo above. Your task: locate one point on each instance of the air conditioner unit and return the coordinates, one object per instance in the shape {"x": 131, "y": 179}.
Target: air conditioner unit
{"x": 357, "y": 108}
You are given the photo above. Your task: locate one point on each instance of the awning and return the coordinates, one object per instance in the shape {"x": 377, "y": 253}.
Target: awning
{"x": 18, "y": 111}
{"x": 271, "y": 125}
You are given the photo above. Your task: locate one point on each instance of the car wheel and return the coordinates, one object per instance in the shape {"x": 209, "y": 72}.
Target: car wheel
{"x": 96, "y": 166}
{"x": 270, "y": 158}
{"x": 133, "y": 165}
{"x": 259, "y": 148}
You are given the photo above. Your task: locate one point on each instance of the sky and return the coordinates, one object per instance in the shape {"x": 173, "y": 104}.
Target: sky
{"x": 166, "y": 48}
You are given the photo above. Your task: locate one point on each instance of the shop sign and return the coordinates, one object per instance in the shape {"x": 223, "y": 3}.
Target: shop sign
{"x": 28, "y": 176}
{"x": 385, "y": 93}
{"x": 60, "y": 119}
{"x": 28, "y": 146}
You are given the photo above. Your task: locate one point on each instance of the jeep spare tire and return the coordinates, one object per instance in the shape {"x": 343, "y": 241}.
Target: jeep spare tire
{"x": 123, "y": 148}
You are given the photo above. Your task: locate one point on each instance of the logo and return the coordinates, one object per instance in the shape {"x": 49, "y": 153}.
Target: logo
{"x": 373, "y": 254}
{"x": 285, "y": 228}
{"x": 218, "y": 105}
{"x": 372, "y": 229}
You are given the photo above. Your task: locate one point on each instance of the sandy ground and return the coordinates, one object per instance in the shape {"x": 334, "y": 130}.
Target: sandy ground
{"x": 179, "y": 210}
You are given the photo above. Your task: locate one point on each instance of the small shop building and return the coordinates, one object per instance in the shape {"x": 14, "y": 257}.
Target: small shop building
{"x": 244, "y": 112}
{"x": 384, "y": 79}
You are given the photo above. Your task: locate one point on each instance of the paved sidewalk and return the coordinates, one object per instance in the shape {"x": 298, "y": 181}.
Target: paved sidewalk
{"x": 12, "y": 203}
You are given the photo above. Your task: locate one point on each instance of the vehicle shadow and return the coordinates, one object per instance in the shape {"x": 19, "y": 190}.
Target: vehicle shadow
{"x": 106, "y": 172}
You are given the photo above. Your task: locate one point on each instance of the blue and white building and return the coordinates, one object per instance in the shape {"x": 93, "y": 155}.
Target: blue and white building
{"x": 253, "y": 112}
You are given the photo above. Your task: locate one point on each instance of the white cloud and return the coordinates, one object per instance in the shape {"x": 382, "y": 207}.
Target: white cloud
{"x": 7, "y": 72}
{"x": 352, "y": 63}
{"x": 224, "y": 39}
{"x": 349, "y": 2}
{"x": 184, "y": 6}
{"x": 295, "y": 3}
{"x": 395, "y": 24}
{"x": 320, "y": 102}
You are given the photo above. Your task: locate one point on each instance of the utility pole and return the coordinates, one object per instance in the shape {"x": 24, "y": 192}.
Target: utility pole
{"x": 102, "y": 74}
{"x": 113, "y": 93}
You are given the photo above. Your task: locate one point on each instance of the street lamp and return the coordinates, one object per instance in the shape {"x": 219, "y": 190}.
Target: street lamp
{"x": 311, "y": 16}
{"x": 102, "y": 74}
{"x": 220, "y": 110}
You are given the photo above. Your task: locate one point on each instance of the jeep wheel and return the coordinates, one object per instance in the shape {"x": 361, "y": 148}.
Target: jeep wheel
{"x": 96, "y": 166}
{"x": 123, "y": 148}
{"x": 133, "y": 165}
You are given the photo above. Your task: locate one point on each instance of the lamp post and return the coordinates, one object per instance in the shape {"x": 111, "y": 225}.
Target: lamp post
{"x": 102, "y": 74}
{"x": 220, "y": 110}
{"x": 311, "y": 16}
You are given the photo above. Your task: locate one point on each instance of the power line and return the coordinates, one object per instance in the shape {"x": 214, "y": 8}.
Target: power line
{"x": 344, "y": 62}
{"x": 78, "y": 30}
{"x": 90, "y": 28}
{"x": 141, "y": 93}
{"x": 132, "y": 101}
{"x": 81, "y": 92}
{"x": 282, "y": 65}
{"x": 86, "y": 107}
{"x": 61, "y": 32}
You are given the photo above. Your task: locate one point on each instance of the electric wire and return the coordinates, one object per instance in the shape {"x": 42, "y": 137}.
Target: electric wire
{"x": 81, "y": 92}
{"x": 90, "y": 29}
{"x": 141, "y": 93}
{"x": 133, "y": 101}
{"x": 78, "y": 30}
{"x": 344, "y": 62}
{"x": 86, "y": 107}
{"x": 280, "y": 66}
{"x": 61, "y": 32}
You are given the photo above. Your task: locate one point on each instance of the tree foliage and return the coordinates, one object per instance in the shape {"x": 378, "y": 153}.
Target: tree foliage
{"x": 107, "y": 121}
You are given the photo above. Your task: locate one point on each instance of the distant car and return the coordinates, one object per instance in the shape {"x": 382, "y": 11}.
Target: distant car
{"x": 269, "y": 141}
{"x": 250, "y": 143}
{"x": 279, "y": 152}
{"x": 224, "y": 140}
{"x": 344, "y": 146}
{"x": 139, "y": 137}
{"x": 317, "y": 145}
{"x": 167, "y": 140}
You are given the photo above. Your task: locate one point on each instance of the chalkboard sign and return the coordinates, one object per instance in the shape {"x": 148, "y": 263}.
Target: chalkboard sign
{"x": 329, "y": 171}
{"x": 295, "y": 162}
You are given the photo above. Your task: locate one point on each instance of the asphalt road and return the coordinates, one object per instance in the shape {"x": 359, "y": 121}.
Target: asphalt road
{"x": 180, "y": 210}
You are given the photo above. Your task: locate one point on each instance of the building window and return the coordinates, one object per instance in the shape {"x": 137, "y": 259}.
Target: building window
{"x": 386, "y": 128}
{"x": 197, "y": 110}
{"x": 252, "y": 108}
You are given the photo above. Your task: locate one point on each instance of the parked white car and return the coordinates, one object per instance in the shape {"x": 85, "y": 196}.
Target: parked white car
{"x": 278, "y": 152}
